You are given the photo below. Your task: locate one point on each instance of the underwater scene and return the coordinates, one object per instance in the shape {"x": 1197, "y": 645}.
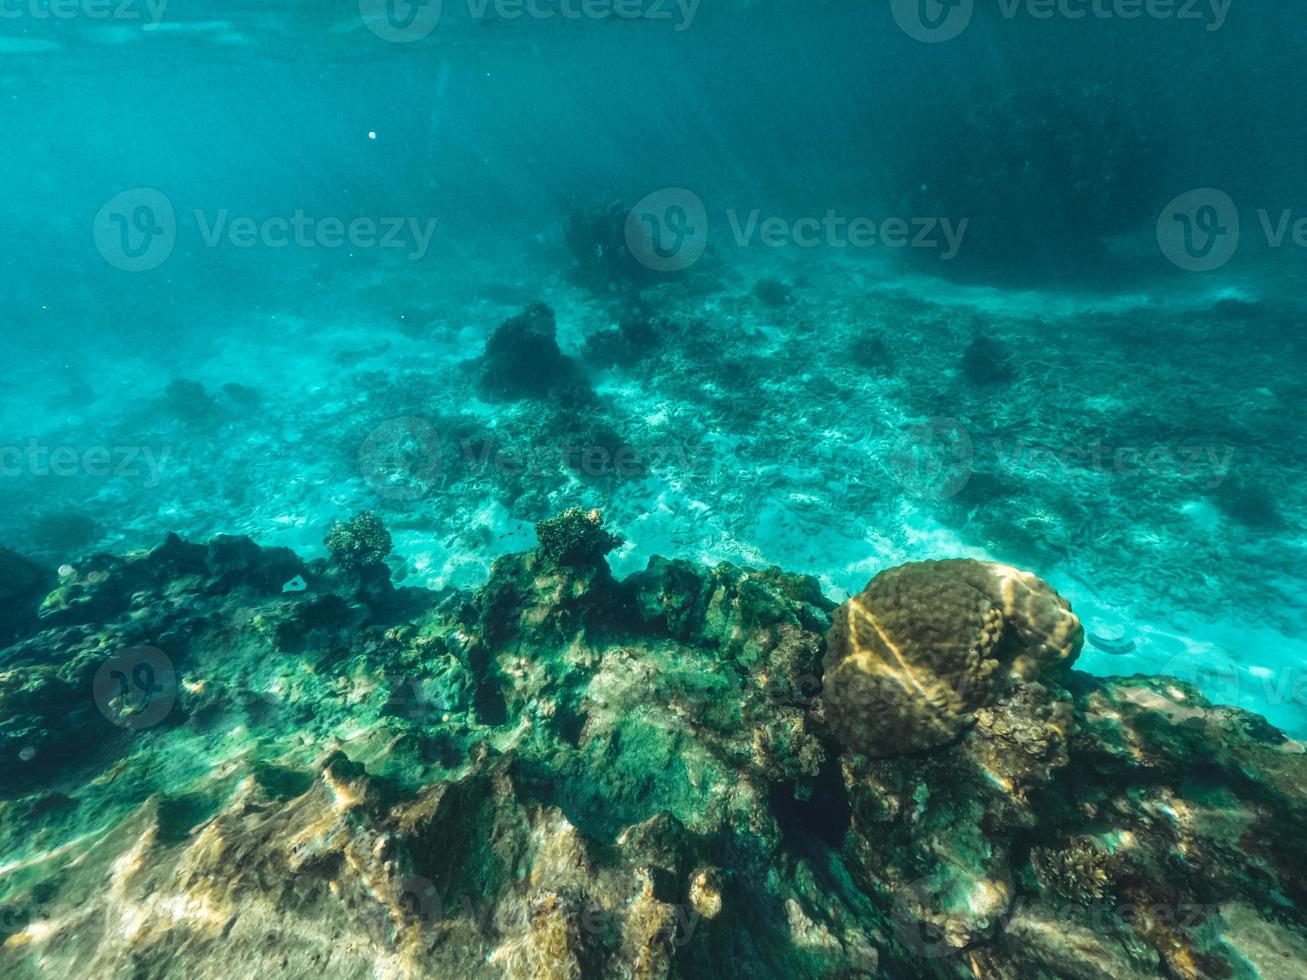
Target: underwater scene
{"x": 653, "y": 489}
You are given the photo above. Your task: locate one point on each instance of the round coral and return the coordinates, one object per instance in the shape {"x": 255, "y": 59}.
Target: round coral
{"x": 911, "y": 658}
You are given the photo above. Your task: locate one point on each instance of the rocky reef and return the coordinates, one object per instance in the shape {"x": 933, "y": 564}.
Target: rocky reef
{"x": 221, "y": 760}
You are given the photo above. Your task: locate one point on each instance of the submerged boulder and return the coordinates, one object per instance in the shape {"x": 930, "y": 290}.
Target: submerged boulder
{"x": 914, "y": 656}
{"x": 22, "y": 584}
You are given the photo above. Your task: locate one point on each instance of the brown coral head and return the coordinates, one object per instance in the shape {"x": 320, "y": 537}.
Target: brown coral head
{"x": 911, "y": 658}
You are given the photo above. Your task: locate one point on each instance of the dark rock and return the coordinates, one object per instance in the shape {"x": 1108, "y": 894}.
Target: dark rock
{"x": 637, "y": 335}
{"x": 773, "y": 293}
{"x": 596, "y": 238}
{"x": 22, "y": 584}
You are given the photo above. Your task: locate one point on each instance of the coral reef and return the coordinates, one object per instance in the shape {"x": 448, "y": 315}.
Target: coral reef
{"x": 637, "y": 335}
{"x": 564, "y": 774}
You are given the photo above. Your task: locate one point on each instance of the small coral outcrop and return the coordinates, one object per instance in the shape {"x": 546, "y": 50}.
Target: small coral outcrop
{"x": 359, "y": 542}
{"x": 522, "y": 359}
{"x": 638, "y": 334}
{"x": 914, "y": 656}
{"x": 575, "y": 537}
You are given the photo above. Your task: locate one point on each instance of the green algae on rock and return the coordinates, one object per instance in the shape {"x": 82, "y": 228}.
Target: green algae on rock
{"x": 564, "y": 774}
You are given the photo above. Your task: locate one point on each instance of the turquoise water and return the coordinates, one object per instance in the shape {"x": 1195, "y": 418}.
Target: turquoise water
{"x": 831, "y": 286}
{"x": 333, "y": 213}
